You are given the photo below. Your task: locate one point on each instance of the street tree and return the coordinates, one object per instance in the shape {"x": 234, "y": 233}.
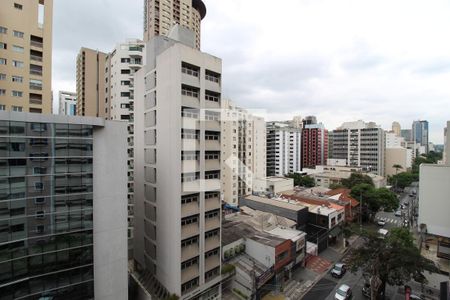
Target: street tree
{"x": 386, "y": 199}
{"x": 302, "y": 180}
{"x": 397, "y": 167}
{"x": 394, "y": 260}
{"x": 355, "y": 179}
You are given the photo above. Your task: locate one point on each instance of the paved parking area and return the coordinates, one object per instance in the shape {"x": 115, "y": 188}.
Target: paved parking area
{"x": 318, "y": 264}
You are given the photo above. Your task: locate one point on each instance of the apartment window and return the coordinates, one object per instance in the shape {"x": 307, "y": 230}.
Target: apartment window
{"x": 212, "y": 175}
{"x": 189, "y": 91}
{"x": 124, "y": 60}
{"x": 39, "y": 186}
{"x": 189, "y": 199}
{"x": 189, "y": 241}
{"x": 17, "y": 79}
{"x": 3, "y": 30}
{"x": 190, "y": 69}
{"x": 189, "y": 285}
{"x": 2, "y": 61}
{"x": 212, "y": 233}
{"x": 3, "y": 46}
{"x": 17, "y": 94}
{"x": 189, "y": 263}
{"x": 40, "y": 214}
{"x": 35, "y": 84}
{"x": 18, "y": 64}
{"x": 189, "y": 220}
{"x": 18, "y": 6}
{"x": 40, "y": 229}
{"x": 212, "y": 253}
{"x": 39, "y": 200}
{"x": 125, "y": 71}
{"x": 2, "y": 76}
{"x": 16, "y": 108}
{"x": 2, "y": 107}
{"x": 125, "y": 82}
{"x": 212, "y": 214}
{"x": 18, "y": 49}
{"x": 2, "y": 92}
{"x": 18, "y": 34}
{"x": 211, "y": 96}
{"x": 212, "y": 76}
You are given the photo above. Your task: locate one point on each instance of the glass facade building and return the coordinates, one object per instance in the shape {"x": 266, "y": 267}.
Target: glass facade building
{"x": 46, "y": 211}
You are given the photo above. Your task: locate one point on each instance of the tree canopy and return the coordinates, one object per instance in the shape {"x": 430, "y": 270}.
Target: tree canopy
{"x": 394, "y": 260}
{"x": 302, "y": 180}
{"x": 403, "y": 179}
{"x": 374, "y": 198}
{"x": 355, "y": 179}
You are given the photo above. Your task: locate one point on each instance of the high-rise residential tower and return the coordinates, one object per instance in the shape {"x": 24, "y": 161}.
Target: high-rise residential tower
{"x": 161, "y": 15}
{"x": 67, "y": 103}
{"x": 420, "y": 133}
{"x": 91, "y": 100}
{"x": 243, "y": 151}
{"x": 177, "y": 156}
{"x": 396, "y": 128}
{"x": 26, "y": 55}
{"x": 314, "y": 143}
{"x": 283, "y": 148}
{"x": 121, "y": 65}
{"x": 360, "y": 144}
{"x": 62, "y": 214}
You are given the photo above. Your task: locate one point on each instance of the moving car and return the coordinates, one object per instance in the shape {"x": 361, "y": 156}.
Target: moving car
{"x": 344, "y": 292}
{"x": 383, "y": 233}
{"x": 398, "y": 213}
{"x": 405, "y": 223}
{"x": 381, "y": 222}
{"x": 338, "y": 270}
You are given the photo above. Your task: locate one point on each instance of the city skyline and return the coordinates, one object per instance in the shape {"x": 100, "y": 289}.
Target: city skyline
{"x": 386, "y": 79}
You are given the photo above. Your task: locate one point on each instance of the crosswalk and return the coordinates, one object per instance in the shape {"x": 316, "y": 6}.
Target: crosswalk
{"x": 390, "y": 220}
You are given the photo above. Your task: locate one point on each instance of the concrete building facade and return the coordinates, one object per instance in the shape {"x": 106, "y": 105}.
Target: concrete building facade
{"x": 243, "y": 151}
{"x": 26, "y": 55}
{"x": 396, "y": 128}
{"x": 406, "y": 134}
{"x": 283, "y": 148}
{"x": 446, "y": 154}
{"x": 67, "y": 103}
{"x": 314, "y": 145}
{"x": 62, "y": 216}
{"x": 178, "y": 168}
{"x": 161, "y": 15}
{"x": 91, "y": 85}
{"x": 361, "y": 144}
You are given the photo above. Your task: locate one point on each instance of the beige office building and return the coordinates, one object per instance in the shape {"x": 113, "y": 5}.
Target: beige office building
{"x": 161, "y": 15}
{"x": 396, "y": 128}
{"x": 91, "y": 85}
{"x": 243, "y": 152}
{"x": 177, "y": 155}
{"x": 26, "y": 55}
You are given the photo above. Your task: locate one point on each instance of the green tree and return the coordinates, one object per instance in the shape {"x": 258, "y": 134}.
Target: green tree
{"x": 302, "y": 180}
{"x": 394, "y": 260}
{"x": 397, "y": 167}
{"x": 334, "y": 186}
{"x": 386, "y": 199}
{"x": 403, "y": 179}
{"x": 366, "y": 194}
{"x": 355, "y": 179}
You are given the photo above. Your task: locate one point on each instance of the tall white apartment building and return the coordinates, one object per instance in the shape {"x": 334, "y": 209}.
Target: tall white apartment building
{"x": 67, "y": 103}
{"x": 120, "y": 66}
{"x": 243, "y": 151}
{"x": 283, "y": 148}
{"x": 177, "y": 240}
{"x": 361, "y": 144}
{"x": 446, "y": 155}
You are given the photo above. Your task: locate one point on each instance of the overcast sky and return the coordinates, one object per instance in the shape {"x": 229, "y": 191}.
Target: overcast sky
{"x": 341, "y": 60}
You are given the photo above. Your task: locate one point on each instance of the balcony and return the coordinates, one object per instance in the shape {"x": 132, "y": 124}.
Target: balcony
{"x": 212, "y": 243}
{"x": 188, "y": 231}
{"x": 189, "y": 252}
{"x": 212, "y": 145}
{"x": 213, "y": 125}
{"x": 212, "y": 223}
{"x": 189, "y": 123}
{"x": 190, "y": 166}
{"x": 189, "y": 273}
{"x": 212, "y": 203}
{"x": 212, "y": 262}
{"x": 36, "y": 44}
{"x": 36, "y": 58}
{"x": 189, "y": 209}
{"x": 190, "y": 101}
{"x": 212, "y": 164}
{"x": 191, "y": 145}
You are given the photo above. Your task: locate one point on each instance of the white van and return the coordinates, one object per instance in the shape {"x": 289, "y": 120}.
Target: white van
{"x": 382, "y": 233}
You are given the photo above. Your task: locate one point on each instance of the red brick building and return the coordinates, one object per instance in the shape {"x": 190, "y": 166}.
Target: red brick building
{"x": 314, "y": 145}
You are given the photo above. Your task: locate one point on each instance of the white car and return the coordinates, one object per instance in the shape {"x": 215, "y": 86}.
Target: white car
{"x": 382, "y": 222}
{"x": 398, "y": 213}
{"x": 344, "y": 292}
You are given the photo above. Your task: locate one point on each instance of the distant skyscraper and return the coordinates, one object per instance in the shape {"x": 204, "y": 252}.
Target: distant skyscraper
{"x": 314, "y": 145}
{"x": 91, "y": 83}
{"x": 361, "y": 144}
{"x": 26, "y": 56}
{"x": 62, "y": 214}
{"x": 420, "y": 133}
{"x": 406, "y": 134}
{"x": 161, "y": 15}
{"x": 396, "y": 128}
{"x": 67, "y": 103}
{"x": 283, "y": 148}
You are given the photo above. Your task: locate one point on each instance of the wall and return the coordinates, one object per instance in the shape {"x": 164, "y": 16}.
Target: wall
{"x": 110, "y": 211}
{"x": 434, "y": 204}
{"x": 396, "y": 156}
{"x": 262, "y": 253}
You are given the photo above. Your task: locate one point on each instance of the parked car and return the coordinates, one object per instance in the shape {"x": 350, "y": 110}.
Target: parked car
{"x": 398, "y": 213}
{"x": 344, "y": 292}
{"x": 415, "y": 297}
{"x": 381, "y": 222}
{"x": 338, "y": 270}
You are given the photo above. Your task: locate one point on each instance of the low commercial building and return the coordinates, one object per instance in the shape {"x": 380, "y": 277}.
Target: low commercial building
{"x": 334, "y": 175}
{"x": 293, "y": 211}
{"x": 343, "y": 198}
{"x": 273, "y": 185}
